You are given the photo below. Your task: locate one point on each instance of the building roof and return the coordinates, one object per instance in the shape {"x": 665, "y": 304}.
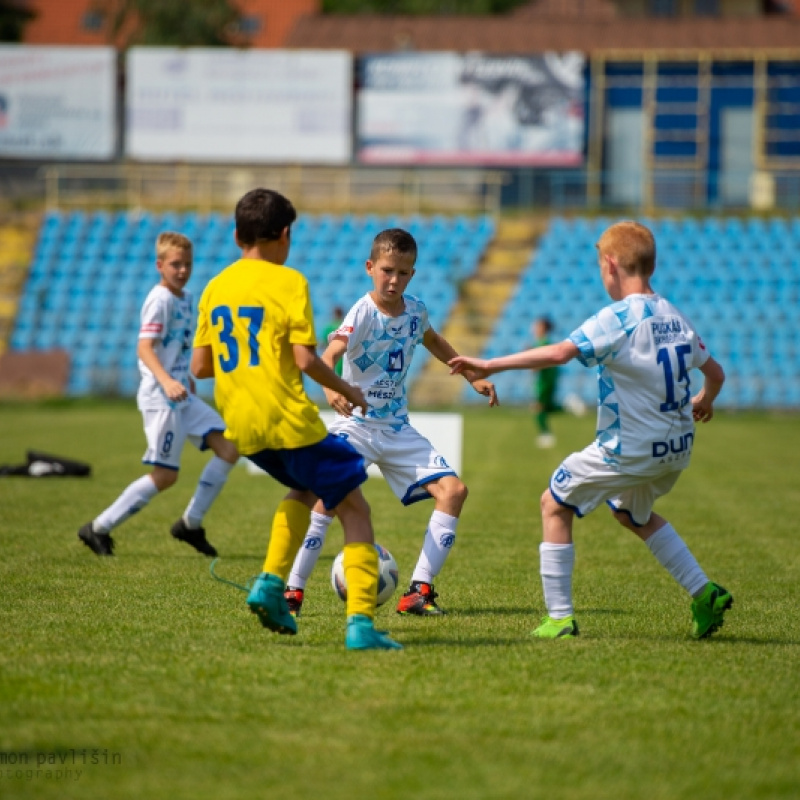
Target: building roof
{"x": 560, "y": 25}
{"x": 62, "y": 22}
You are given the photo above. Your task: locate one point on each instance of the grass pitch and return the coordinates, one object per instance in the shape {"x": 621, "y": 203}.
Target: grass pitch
{"x": 140, "y": 676}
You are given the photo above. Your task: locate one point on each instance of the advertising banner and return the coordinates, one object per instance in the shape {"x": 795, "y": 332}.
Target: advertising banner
{"x": 57, "y": 102}
{"x": 206, "y": 104}
{"x": 449, "y": 108}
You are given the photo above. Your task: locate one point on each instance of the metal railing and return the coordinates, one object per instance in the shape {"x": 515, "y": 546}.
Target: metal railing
{"x": 404, "y": 191}
{"x": 336, "y": 190}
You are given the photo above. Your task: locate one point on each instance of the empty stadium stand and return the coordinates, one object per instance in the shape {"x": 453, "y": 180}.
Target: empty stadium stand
{"x": 738, "y": 279}
{"x": 91, "y": 272}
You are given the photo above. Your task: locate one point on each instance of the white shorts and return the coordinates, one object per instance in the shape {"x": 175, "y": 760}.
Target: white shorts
{"x": 584, "y": 480}
{"x": 406, "y": 458}
{"x": 168, "y": 429}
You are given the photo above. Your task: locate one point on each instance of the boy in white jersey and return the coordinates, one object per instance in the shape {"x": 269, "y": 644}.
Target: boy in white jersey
{"x": 172, "y": 412}
{"x": 644, "y": 348}
{"x": 377, "y": 340}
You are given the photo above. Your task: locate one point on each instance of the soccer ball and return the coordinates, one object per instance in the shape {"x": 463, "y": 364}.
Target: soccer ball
{"x": 388, "y": 575}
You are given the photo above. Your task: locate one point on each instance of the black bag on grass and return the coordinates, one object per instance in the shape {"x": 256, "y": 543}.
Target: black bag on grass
{"x": 44, "y": 465}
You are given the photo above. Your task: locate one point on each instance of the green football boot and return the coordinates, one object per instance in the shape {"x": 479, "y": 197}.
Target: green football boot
{"x": 557, "y": 628}
{"x": 708, "y": 610}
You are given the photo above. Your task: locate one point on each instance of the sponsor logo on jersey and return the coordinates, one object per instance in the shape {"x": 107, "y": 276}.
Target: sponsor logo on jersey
{"x": 668, "y": 331}
{"x": 440, "y": 461}
{"x": 381, "y": 394}
{"x": 683, "y": 444}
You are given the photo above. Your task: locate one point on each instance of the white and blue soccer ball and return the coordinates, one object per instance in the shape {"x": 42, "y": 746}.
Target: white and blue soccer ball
{"x": 388, "y": 575}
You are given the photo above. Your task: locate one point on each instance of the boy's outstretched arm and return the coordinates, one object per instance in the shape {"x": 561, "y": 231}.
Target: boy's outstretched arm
{"x": 332, "y": 355}
{"x": 550, "y": 355}
{"x": 440, "y": 348}
{"x": 703, "y": 401}
{"x": 312, "y": 365}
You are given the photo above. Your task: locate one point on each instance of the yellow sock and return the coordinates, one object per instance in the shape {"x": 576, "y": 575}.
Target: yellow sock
{"x": 361, "y": 576}
{"x": 289, "y": 526}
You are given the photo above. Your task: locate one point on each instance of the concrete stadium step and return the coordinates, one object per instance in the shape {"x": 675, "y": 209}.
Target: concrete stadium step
{"x": 482, "y": 299}
{"x": 17, "y": 242}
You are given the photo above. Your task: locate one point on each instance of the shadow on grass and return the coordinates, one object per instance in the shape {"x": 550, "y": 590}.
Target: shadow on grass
{"x": 727, "y": 639}
{"x": 534, "y": 611}
{"x": 488, "y": 611}
{"x": 438, "y": 641}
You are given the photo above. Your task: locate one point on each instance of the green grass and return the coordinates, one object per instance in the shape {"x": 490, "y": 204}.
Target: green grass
{"x": 146, "y": 657}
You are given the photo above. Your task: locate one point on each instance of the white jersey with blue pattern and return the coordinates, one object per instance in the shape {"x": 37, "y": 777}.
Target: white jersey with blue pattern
{"x": 378, "y": 356}
{"x": 644, "y": 348}
{"x": 169, "y": 319}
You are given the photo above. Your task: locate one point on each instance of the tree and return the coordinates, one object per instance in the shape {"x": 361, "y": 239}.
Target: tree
{"x": 177, "y": 23}
{"x": 13, "y": 16}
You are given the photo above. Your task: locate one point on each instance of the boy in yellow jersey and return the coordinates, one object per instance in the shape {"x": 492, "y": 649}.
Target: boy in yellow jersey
{"x": 255, "y": 336}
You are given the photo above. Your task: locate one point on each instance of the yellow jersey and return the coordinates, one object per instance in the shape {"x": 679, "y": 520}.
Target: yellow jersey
{"x": 250, "y": 315}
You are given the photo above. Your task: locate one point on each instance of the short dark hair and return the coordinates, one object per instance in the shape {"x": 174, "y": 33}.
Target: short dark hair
{"x": 261, "y": 215}
{"x": 393, "y": 240}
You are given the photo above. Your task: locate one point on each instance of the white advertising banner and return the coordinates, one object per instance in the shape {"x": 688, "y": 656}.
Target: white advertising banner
{"x": 207, "y": 104}
{"x": 448, "y": 108}
{"x": 57, "y": 102}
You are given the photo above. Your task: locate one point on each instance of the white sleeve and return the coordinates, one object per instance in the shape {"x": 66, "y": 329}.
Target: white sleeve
{"x": 155, "y": 315}
{"x": 424, "y": 318}
{"x": 352, "y": 326}
{"x": 600, "y": 337}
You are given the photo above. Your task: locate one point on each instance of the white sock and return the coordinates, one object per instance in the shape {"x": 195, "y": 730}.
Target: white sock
{"x": 208, "y": 487}
{"x": 673, "y": 554}
{"x": 307, "y": 555}
{"x": 135, "y": 497}
{"x": 556, "y": 565}
{"x": 439, "y": 539}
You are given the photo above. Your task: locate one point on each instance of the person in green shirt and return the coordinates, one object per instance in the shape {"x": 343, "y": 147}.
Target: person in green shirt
{"x": 545, "y": 386}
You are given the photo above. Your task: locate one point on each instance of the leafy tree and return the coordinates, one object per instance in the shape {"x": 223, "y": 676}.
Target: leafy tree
{"x": 13, "y": 16}
{"x": 177, "y": 23}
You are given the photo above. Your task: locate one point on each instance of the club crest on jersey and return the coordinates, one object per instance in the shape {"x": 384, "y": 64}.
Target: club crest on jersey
{"x": 395, "y": 363}
{"x": 413, "y": 325}
{"x": 562, "y": 477}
